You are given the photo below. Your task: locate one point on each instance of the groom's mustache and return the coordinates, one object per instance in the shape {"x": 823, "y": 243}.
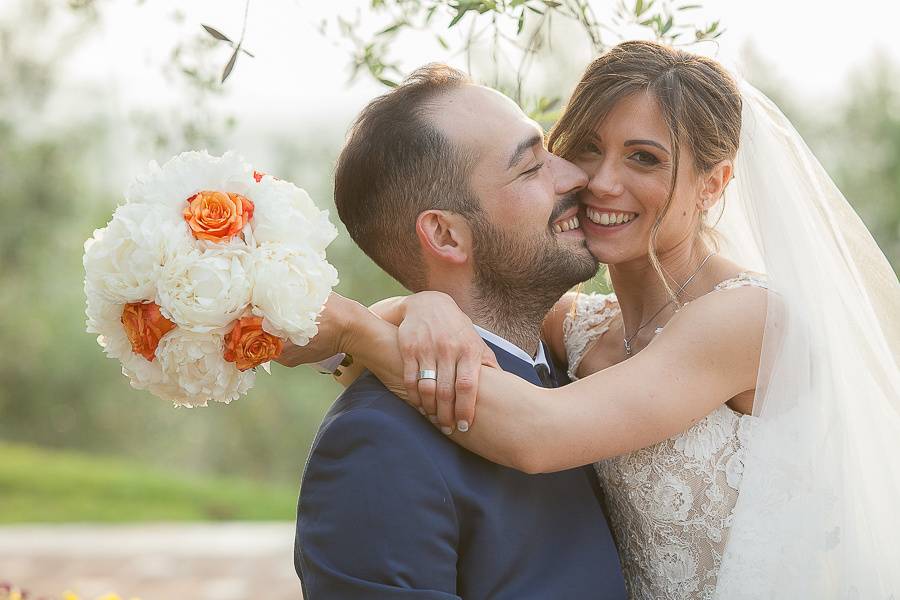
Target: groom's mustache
{"x": 564, "y": 205}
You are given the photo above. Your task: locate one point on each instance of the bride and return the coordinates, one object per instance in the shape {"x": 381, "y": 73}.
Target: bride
{"x": 739, "y": 395}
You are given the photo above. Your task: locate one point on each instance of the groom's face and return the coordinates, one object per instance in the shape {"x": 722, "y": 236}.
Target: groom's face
{"x": 528, "y": 233}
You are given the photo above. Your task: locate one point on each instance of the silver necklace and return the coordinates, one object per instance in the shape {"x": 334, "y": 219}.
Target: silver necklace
{"x": 628, "y": 340}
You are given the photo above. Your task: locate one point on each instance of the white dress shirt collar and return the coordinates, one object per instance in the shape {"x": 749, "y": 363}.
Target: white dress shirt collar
{"x": 508, "y": 346}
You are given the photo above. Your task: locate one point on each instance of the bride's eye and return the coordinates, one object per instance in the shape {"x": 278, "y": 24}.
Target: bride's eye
{"x": 645, "y": 158}
{"x": 590, "y": 148}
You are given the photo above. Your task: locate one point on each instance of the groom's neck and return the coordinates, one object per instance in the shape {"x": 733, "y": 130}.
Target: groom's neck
{"x": 511, "y": 319}
{"x": 515, "y": 315}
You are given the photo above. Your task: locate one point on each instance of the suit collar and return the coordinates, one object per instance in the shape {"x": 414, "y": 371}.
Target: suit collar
{"x": 496, "y": 340}
{"x": 514, "y": 364}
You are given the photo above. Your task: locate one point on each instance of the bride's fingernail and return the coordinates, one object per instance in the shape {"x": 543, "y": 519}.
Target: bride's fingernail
{"x": 446, "y": 430}
{"x": 422, "y": 411}
{"x": 463, "y": 426}
{"x": 433, "y": 419}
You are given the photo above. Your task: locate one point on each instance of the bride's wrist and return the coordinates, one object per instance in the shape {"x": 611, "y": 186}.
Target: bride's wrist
{"x": 363, "y": 332}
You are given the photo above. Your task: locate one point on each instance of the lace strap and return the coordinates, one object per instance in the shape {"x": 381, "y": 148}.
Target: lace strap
{"x": 589, "y": 318}
{"x": 747, "y": 278}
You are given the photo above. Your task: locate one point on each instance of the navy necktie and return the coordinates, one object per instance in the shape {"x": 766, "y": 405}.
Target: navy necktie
{"x": 544, "y": 375}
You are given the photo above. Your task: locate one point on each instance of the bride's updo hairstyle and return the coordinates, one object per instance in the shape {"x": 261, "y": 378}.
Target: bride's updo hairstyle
{"x": 697, "y": 97}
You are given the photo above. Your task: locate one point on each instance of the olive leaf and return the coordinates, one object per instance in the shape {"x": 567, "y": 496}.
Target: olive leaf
{"x": 217, "y": 34}
{"x": 230, "y": 64}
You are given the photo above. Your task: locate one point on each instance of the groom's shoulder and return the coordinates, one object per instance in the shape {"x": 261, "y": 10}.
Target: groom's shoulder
{"x": 369, "y": 414}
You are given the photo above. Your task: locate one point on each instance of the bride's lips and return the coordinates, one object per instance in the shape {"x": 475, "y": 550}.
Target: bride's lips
{"x": 605, "y": 221}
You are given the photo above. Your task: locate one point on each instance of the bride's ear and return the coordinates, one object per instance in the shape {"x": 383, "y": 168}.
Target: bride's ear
{"x": 444, "y": 235}
{"x": 714, "y": 184}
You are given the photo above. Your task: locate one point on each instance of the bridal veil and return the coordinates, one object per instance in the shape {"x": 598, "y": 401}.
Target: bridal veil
{"x": 819, "y": 510}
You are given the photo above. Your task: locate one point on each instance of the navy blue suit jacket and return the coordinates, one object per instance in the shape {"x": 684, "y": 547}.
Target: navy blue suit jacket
{"x": 390, "y": 508}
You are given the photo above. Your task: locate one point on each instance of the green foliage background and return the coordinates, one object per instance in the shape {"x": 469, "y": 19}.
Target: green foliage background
{"x": 57, "y": 390}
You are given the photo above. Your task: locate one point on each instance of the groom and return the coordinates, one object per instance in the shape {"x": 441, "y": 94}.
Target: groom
{"x": 448, "y": 187}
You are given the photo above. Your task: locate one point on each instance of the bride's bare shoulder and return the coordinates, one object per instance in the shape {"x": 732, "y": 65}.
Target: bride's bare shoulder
{"x": 552, "y": 328}
{"x": 574, "y": 311}
{"x": 733, "y": 316}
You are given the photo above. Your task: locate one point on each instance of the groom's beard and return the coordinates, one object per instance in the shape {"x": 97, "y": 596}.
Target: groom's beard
{"x": 519, "y": 278}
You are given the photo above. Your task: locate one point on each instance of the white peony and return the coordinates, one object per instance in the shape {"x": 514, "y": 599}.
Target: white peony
{"x": 183, "y": 176}
{"x": 285, "y": 214}
{"x": 195, "y": 370}
{"x": 207, "y": 287}
{"x": 105, "y": 319}
{"x": 292, "y": 284}
{"x": 122, "y": 261}
{"x": 147, "y": 252}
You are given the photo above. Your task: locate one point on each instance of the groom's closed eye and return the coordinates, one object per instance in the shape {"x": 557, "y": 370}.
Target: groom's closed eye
{"x": 533, "y": 169}
{"x": 521, "y": 151}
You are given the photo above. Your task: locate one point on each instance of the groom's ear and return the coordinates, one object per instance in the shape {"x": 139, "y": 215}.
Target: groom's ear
{"x": 444, "y": 235}
{"x": 714, "y": 184}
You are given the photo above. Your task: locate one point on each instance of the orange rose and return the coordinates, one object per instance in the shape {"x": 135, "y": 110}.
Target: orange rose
{"x": 217, "y": 216}
{"x": 145, "y": 325}
{"x": 247, "y": 345}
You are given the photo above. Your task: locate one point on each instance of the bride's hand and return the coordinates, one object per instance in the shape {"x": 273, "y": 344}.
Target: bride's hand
{"x": 334, "y": 323}
{"x": 435, "y": 335}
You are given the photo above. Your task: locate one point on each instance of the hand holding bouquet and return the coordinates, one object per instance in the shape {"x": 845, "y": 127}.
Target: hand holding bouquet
{"x": 203, "y": 274}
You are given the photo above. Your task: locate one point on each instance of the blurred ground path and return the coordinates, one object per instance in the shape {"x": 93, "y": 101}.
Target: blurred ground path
{"x": 190, "y": 561}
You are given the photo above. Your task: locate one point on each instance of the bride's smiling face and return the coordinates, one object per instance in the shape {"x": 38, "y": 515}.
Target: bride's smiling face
{"x": 628, "y": 159}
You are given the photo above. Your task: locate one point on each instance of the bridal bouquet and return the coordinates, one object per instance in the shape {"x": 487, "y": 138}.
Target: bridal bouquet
{"x": 202, "y": 275}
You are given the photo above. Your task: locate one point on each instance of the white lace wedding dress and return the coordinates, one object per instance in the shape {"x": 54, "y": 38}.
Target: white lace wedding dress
{"x": 670, "y": 505}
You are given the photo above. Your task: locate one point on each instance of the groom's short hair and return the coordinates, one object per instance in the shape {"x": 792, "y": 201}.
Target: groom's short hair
{"x": 396, "y": 164}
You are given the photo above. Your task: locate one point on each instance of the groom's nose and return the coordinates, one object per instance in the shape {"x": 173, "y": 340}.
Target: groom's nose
{"x": 567, "y": 178}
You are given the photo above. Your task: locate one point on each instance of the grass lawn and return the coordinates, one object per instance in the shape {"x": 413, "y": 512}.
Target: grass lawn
{"x": 53, "y": 486}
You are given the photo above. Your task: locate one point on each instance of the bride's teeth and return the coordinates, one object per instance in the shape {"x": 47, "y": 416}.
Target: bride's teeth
{"x": 609, "y": 219}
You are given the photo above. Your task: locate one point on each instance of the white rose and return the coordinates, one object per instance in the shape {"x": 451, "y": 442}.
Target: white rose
{"x": 196, "y": 371}
{"x": 206, "y": 287}
{"x": 184, "y": 175}
{"x": 286, "y": 214}
{"x": 105, "y": 319}
{"x": 122, "y": 261}
{"x": 291, "y": 286}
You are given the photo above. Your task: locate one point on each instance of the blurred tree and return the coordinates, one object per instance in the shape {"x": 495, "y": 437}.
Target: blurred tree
{"x": 857, "y": 140}
{"x": 502, "y": 38}
{"x": 57, "y": 387}
{"x": 864, "y": 151}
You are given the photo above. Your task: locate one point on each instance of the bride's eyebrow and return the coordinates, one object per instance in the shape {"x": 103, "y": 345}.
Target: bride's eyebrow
{"x": 646, "y": 143}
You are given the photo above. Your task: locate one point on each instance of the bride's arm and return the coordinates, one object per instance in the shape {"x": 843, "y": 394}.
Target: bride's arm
{"x": 389, "y": 309}
{"x": 707, "y": 354}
